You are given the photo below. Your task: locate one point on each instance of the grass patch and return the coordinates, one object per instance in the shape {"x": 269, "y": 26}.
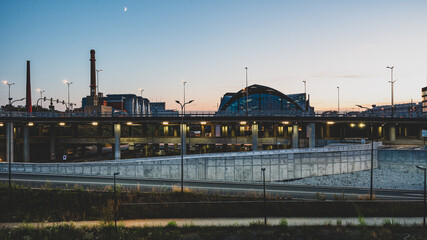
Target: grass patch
{"x": 69, "y": 232}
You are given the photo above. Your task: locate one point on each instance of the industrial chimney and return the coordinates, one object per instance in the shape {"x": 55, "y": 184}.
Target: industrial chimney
{"x": 92, "y": 74}
{"x": 28, "y": 105}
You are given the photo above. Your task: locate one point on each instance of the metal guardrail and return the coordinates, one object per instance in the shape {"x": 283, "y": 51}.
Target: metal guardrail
{"x": 7, "y": 114}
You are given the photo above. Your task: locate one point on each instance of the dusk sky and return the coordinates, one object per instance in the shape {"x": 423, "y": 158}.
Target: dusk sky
{"x": 155, "y": 45}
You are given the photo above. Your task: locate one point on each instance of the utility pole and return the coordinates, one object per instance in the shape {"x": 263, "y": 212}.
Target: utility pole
{"x": 392, "y": 86}
{"x": 247, "y": 92}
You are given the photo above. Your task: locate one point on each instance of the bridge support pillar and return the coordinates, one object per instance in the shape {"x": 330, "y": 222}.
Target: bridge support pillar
{"x": 99, "y": 150}
{"x": 255, "y": 137}
{"x": 26, "y": 144}
{"x": 392, "y": 133}
{"x": 311, "y": 135}
{"x": 202, "y": 131}
{"x": 52, "y": 142}
{"x": 327, "y": 131}
{"x": 9, "y": 142}
{"x": 295, "y": 136}
{"x": 183, "y": 133}
{"x": 117, "y": 151}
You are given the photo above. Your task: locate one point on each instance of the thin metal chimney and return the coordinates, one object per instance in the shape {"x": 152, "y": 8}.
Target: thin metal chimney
{"x": 28, "y": 105}
{"x": 92, "y": 74}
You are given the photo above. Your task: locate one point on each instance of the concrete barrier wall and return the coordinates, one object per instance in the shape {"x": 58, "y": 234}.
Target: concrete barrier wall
{"x": 242, "y": 166}
{"x": 402, "y": 160}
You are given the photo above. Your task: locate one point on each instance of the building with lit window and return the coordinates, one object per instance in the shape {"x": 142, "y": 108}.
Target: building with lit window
{"x": 263, "y": 100}
{"x": 128, "y": 103}
{"x": 424, "y": 103}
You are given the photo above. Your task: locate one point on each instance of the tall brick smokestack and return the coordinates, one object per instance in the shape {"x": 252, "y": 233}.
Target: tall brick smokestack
{"x": 28, "y": 95}
{"x": 92, "y": 73}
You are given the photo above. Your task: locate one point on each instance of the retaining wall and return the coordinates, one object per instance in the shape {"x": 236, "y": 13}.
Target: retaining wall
{"x": 242, "y": 166}
{"x": 402, "y": 160}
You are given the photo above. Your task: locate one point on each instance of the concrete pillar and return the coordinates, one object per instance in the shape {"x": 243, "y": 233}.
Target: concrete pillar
{"x": 295, "y": 140}
{"x": 9, "y": 142}
{"x": 52, "y": 142}
{"x": 224, "y": 131}
{"x": 212, "y": 130}
{"x": 117, "y": 131}
{"x": 165, "y": 131}
{"x": 146, "y": 150}
{"x": 322, "y": 132}
{"x": 328, "y": 131}
{"x": 242, "y": 131}
{"x": 183, "y": 133}
{"x": 266, "y": 132}
{"x": 99, "y": 150}
{"x": 254, "y": 137}
{"x": 26, "y": 144}
{"x": 392, "y": 135}
{"x": 175, "y": 132}
{"x": 311, "y": 135}
{"x": 156, "y": 130}
{"x": 275, "y": 130}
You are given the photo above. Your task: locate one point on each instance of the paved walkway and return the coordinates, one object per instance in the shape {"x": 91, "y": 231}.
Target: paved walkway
{"x": 234, "y": 222}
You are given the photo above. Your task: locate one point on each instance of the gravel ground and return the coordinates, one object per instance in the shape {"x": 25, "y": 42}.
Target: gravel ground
{"x": 383, "y": 178}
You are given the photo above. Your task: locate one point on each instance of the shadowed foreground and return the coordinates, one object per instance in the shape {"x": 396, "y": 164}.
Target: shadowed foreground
{"x": 255, "y": 231}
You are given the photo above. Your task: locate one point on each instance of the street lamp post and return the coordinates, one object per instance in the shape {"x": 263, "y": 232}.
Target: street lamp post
{"x": 247, "y": 92}
{"x": 183, "y": 131}
{"x": 68, "y": 83}
{"x": 9, "y": 84}
{"x": 338, "y": 88}
{"x": 41, "y": 95}
{"x": 305, "y": 94}
{"x": 372, "y": 151}
{"x": 392, "y": 86}
{"x": 97, "y": 77}
{"x": 263, "y": 180}
{"x": 115, "y": 200}
{"x": 142, "y": 108}
{"x": 183, "y": 83}
{"x": 424, "y": 214}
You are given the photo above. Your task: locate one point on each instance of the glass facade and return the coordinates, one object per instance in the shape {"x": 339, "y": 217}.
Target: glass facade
{"x": 261, "y": 99}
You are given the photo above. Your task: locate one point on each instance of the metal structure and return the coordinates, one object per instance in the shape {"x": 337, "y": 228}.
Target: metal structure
{"x": 183, "y": 144}
{"x": 425, "y": 206}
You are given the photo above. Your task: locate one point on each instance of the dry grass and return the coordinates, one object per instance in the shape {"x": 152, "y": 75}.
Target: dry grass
{"x": 177, "y": 188}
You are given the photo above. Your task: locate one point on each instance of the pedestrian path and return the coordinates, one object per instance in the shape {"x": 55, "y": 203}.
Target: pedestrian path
{"x": 235, "y": 222}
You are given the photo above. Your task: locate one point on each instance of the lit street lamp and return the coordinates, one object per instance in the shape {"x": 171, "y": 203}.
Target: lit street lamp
{"x": 115, "y": 200}
{"x": 247, "y": 92}
{"x": 97, "y": 77}
{"x": 372, "y": 151}
{"x": 183, "y": 131}
{"x": 68, "y": 83}
{"x": 424, "y": 214}
{"x": 9, "y": 84}
{"x": 184, "y": 82}
{"x": 263, "y": 180}
{"x": 142, "y": 109}
{"x": 41, "y": 95}
{"x": 392, "y": 95}
{"x": 338, "y": 88}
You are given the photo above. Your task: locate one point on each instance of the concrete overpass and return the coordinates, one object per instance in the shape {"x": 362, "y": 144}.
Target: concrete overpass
{"x": 49, "y": 136}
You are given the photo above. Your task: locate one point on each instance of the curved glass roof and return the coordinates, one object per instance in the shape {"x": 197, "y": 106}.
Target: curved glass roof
{"x": 261, "y": 98}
